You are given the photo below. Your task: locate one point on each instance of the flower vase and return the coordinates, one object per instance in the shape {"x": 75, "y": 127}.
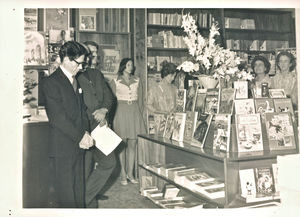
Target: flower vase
{"x": 207, "y": 81}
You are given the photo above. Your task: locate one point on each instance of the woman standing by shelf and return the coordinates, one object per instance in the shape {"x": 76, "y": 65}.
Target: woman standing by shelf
{"x": 162, "y": 96}
{"x": 128, "y": 122}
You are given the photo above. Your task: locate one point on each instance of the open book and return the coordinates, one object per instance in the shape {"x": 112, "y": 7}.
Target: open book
{"x": 106, "y": 139}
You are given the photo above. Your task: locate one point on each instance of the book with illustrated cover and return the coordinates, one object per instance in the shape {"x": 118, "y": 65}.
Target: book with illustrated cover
{"x": 166, "y": 169}
{"x": 280, "y": 131}
{"x": 160, "y": 123}
{"x": 151, "y": 124}
{"x": 264, "y": 105}
{"x": 169, "y": 126}
{"x": 210, "y": 185}
{"x": 222, "y": 132}
{"x": 201, "y": 130}
{"x": 190, "y": 125}
{"x": 199, "y": 102}
{"x": 248, "y": 132}
{"x": 170, "y": 191}
{"x": 241, "y": 88}
{"x": 283, "y": 105}
{"x": 191, "y": 95}
{"x": 212, "y": 101}
{"x": 264, "y": 181}
{"x": 247, "y": 183}
{"x": 277, "y": 93}
{"x": 226, "y": 101}
{"x": 180, "y": 100}
{"x": 244, "y": 106}
{"x": 214, "y": 193}
{"x": 179, "y": 123}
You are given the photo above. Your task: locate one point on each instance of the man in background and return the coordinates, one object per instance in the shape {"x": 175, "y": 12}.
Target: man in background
{"x": 99, "y": 99}
{"x": 69, "y": 127}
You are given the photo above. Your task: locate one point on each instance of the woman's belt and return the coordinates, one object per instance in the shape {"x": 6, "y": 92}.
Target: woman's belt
{"x": 129, "y": 102}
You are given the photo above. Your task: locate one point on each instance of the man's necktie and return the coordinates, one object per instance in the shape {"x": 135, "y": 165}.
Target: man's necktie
{"x": 74, "y": 83}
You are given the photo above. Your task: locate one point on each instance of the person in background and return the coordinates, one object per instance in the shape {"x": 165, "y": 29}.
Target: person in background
{"x": 93, "y": 57}
{"x": 286, "y": 77}
{"x": 69, "y": 128}
{"x": 261, "y": 67}
{"x": 128, "y": 121}
{"x": 162, "y": 95}
{"x": 99, "y": 99}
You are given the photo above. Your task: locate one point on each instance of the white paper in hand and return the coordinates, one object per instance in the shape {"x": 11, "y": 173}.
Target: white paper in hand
{"x": 106, "y": 139}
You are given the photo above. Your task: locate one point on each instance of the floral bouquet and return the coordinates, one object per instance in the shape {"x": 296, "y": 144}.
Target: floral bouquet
{"x": 207, "y": 57}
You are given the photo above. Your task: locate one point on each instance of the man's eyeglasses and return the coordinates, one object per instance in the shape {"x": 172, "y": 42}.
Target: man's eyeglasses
{"x": 82, "y": 63}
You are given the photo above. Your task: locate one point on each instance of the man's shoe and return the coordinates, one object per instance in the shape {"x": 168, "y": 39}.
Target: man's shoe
{"x": 101, "y": 197}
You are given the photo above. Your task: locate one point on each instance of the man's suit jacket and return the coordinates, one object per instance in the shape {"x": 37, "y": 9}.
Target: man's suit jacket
{"x": 66, "y": 113}
{"x": 96, "y": 93}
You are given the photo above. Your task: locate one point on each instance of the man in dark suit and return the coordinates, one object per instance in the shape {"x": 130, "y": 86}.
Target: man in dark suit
{"x": 99, "y": 99}
{"x": 69, "y": 127}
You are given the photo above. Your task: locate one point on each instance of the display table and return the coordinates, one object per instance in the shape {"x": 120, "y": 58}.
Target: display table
{"x": 224, "y": 166}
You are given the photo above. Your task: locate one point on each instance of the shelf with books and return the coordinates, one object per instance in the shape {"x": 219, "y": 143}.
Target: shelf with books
{"x": 167, "y": 49}
{"x": 261, "y": 31}
{"x": 101, "y": 32}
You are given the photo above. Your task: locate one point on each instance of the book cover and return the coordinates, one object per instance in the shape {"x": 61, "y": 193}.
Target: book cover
{"x": 212, "y": 184}
{"x": 180, "y": 100}
{"x": 201, "y": 130}
{"x": 170, "y": 191}
{"x": 280, "y": 131}
{"x": 283, "y": 105}
{"x": 222, "y": 132}
{"x": 277, "y": 93}
{"x": 160, "y": 121}
{"x": 179, "y": 123}
{"x": 212, "y": 101}
{"x": 244, "y": 106}
{"x": 248, "y": 132}
{"x": 190, "y": 125}
{"x": 151, "y": 124}
{"x": 247, "y": 183}
{"x": 264, "y": 105}
{"x": 241, "y": 88}
{"x": 214, "y": 193}
{"x": 199, "y": 102}
{"x": 226, "y": 101}
{"x": 191, "y": 95}
{"x": 169, "y": 127}
{"x": 264, "y": 181}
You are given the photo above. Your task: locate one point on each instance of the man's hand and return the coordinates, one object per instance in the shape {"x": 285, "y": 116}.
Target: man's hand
{"x": 86, "y": 142}
{"x": 100, "y": 114}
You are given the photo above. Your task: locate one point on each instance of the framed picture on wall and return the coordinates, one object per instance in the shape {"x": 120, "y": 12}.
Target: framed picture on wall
{"x": 30, "y": 19}
{"x": 109, "y": 63}
{"x": 56, "y": 18}
{"x": 87, "y": 23}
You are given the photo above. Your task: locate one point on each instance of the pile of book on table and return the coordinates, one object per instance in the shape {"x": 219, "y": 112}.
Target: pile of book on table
{"x": 191, "y": 178}
{"x": 213, "y": 114}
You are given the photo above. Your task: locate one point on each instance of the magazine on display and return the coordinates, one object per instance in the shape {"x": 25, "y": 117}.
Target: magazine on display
{"x": 160, "y": 123}
{"x": 151, "y": 124}
{"x": 283, "y": 105}
{"x": 190, "y": 125}
{"x": 222, "y": 132}
{"x": 180, "y": 100}
{"x": 212, "y": 101}
{"x": 191, "y": 95}
{"x": 226, "y": 101}
{"x": 199, "y": 102}
{"x": 179, "y": 124}
{"x": 280, "y": 131}
{"x": 247, "y": 183}
{"x": 241, "y": 88}
{"x": 248, "y": 132}
{"x": 244, "y": 106}
{"x": 264, "y": 105}
{"x": 277, "y": 93}
{"x": 169, "y": 127}
{"x": 201, "y": 130}
{"x": 264, "y": 179}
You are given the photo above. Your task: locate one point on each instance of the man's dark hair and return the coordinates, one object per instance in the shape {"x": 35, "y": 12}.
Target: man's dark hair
{"x": 71, "y": 49}
{"x": 92, "y": 43}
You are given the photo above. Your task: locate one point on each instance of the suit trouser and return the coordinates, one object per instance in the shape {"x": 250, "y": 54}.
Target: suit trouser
{"x": 98, "y": 168}
{"x": 69, "y": 181}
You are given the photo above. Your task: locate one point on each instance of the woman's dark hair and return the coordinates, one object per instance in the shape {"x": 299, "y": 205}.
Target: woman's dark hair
{"x": 122, "y": 66}
{"x": 71, "y": 49}
{"x": 264, "y": 60}
{"x": 290, "y": 56}
{"x": 167, "y": 68}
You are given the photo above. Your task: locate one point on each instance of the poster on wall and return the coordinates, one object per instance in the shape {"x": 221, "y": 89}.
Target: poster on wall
{"x": 111, "y": 59}
{"x": 30, "y": 19}
{"x": 87, "y": 23}
{"x": 56, "y": 18}
{"x": 35, "y": 48}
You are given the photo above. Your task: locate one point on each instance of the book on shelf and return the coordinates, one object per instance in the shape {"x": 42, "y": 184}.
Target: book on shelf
{"x": 146, "y": 181}
{"x": 157, "y": 41}
{"x": 264, "y": 180}
{"x": 160, "y": 120}
{"x": 226, "y": 100}
{"x": 180, "y": 100}
{"x": 147, "y": 190}
{"x": 179, "y": 124}
{"x": 170, "y": 191}
{"x": 199, "y": 102}
{"x": 277, "y": 93}
{"x": 156, "y": 193}
{"x": 166, "y": 169}
{"x": 283, "y": 105}
{"x": 244, "y": 106}
{"x": 178, "y": 176}
{"x": 151, "y": 124}
{"x": 241, "y": 88}
{"x": 151, "y": 64}
{"x": 214, "y": 193}
{"x": 201, "y": 130}
{"x": 249, "y": 133}
{"x": 212, "y": 101}
{"x": 280, "y": 131}
{"x": 264, "y": 105}
{"x": 247, "y": 183}
{"x": 247, "y": 24}
{"x": 190, "y": 125}
{"x": 169, "y": 203}
{"x": 211, "y": 184}
{"x": 197, "y": 177}
{"x": 156, "y": 167}
{"x": 254, "y": 45}
{"x": 191, "y": 95}
{"x": 169, "y": 126}
{"x": 221, "y": 131}
{"x": 232, "y": 23}
{"x": 275, "y": 175}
